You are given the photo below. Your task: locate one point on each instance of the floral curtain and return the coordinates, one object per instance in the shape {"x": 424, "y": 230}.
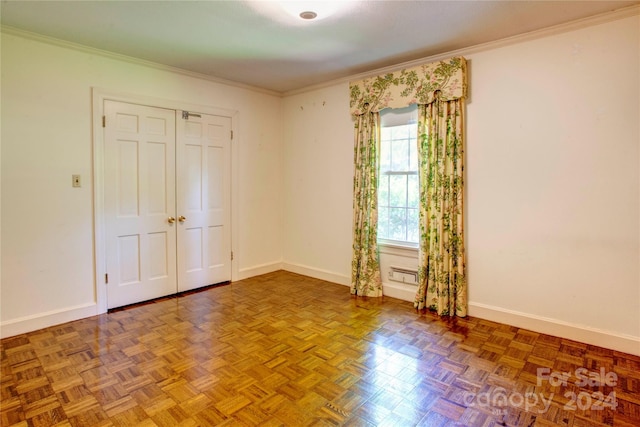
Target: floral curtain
{"x": 365, "y": 268}
{"x": 441, "y": 272}
{"x": 439, "y": 89}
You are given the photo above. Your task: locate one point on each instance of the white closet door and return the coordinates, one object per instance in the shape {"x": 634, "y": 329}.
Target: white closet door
{"x": 139, "y": 156}
{"x": 203, "y": 200}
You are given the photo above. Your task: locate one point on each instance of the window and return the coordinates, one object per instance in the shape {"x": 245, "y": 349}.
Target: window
{"x": 398, "y": 193}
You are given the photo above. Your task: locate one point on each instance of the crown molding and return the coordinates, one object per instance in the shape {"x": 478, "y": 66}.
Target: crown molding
{"x": 603, "y": 18}
{"x": 130, "y": 59}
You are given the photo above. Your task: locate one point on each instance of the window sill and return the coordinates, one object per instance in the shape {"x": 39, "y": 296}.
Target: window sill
{"x": 396, "y": 248}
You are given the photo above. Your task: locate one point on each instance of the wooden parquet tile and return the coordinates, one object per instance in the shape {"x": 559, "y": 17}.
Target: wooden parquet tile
{"x": 287, "y": 350}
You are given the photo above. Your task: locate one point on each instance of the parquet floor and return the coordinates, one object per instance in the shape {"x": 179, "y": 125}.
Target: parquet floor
{"x": 287, "y": 350}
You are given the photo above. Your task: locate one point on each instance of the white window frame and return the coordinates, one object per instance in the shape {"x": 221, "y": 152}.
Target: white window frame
{"x": 390, "y": 118}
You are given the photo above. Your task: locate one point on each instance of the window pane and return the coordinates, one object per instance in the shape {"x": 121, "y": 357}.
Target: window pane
{"x": 398, "y": 194}
{"x": 397, "y": 224}
{"x": 399, "y": 155}
{"x": 398, "y": 190}
{"x": 412, "y": 225}
{"x": 413, "y": 192}
{"x": 400, "y": 132}
{"x": 385, "y": 155}
{"x": 413, "y": 152}
{"x": 383, "y": 223}
{"x": 385, "y": 134}
{"x": 383, "y": 190}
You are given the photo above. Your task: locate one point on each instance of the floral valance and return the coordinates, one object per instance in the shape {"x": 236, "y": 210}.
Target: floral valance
{"x": 417, "y": 85}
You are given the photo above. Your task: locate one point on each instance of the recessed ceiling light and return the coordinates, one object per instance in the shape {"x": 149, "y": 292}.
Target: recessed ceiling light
{"x": 308, "y": 14}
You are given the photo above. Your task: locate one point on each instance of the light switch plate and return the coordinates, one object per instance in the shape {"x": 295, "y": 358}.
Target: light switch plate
{"x": 75, "y": 181}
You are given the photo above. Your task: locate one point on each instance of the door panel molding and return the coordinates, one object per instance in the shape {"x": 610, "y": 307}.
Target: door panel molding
{"x": 99, "y": 96}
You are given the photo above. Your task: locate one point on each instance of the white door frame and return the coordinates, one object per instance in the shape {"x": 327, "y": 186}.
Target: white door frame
{"x": 98, "y": 98}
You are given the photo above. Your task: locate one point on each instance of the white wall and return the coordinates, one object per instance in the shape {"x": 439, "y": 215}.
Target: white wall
{"x": 553, "y": 207}
{"x": 552, "y": 164}
{"x": 318, "y": 171}
{"x": 47, "y": 226}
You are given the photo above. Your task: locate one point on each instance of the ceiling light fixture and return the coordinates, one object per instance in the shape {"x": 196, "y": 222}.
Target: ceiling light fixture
{"x": 302, "y": 11}
{"x": 308, "y": 14}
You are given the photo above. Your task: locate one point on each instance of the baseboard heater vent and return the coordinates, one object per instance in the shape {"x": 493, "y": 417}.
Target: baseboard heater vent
{"x": 404, "y": 275}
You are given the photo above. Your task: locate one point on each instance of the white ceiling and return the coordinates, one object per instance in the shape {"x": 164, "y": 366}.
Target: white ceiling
{"x": 257, "y": 43}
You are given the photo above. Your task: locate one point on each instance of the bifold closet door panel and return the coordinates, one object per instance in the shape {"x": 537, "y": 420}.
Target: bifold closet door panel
{"x": 139, "y": 205}
{"x": 203, "y": 200}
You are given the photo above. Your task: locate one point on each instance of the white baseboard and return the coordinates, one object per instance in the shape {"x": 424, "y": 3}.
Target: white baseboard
{"x": 607, "y": 339}
{"x": 399, "y": 291}
{"x": 257, "y": 270}
{"x": 34, "y": 322}
{"x": 317, "y": 273}
{"x": 393, "y": 290}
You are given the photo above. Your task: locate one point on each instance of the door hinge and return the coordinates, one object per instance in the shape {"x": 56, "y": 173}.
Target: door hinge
{"x": 106, "y": 278}
{"x": 231, "y": 134}
{"x": 231, "y": 255}
{"x": 104, "y": 121}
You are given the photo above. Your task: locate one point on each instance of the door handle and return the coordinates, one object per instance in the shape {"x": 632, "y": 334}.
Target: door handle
{"x": 171, "y": 220}
{"x": 182, "y": 218}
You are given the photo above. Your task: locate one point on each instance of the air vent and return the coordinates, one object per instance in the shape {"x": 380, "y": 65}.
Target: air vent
{"x": 404, "y": 275}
